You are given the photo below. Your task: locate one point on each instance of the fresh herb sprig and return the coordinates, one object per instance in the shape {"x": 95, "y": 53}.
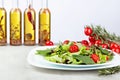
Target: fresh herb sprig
{"x": 109, "y": 71}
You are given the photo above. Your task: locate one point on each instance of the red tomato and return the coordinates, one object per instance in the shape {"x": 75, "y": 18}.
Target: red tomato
{"x": 73, "y": 48}
{"x": 66, "y": 42}
{"x": 49, "y": 43}
{"x": 98, "y": 42}
{"x": 95, "y": 58}
{"x": 113, "y": 45}
{"x": 92, "y": 39}
{"x": 116, "y": 45}
{"x": 117, "y": 50}
{"x": 88, "y": 31}
{"x": 84, "y": 42}
{"x": 119, "y": 46}
{"x": 104, "y": 46}
{"x": 90, "y": 43}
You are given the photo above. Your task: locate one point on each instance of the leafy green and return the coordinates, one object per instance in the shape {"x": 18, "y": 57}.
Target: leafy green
{"x": 54, "y": 58}
{"x": 104, "y": 51}
{"x": 83, "y": 51}
{"x": 102, "y": 58}
{"x": 44, "y": 52}
{"x": 84, "y": 59}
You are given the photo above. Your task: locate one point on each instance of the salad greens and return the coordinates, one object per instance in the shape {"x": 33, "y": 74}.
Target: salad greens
{"x": 61, "y": 54}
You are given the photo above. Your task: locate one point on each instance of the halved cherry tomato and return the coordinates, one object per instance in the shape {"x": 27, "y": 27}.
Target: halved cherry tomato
{"x": 73, "y": 48}
{"x": 49, "y": 43}
{"x": 95, "y": 57}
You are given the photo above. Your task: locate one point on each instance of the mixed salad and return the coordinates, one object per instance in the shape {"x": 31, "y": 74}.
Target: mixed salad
{"x": 71, "y": 52}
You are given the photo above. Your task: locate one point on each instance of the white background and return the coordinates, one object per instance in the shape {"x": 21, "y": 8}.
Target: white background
{"x": 70, "y": 16}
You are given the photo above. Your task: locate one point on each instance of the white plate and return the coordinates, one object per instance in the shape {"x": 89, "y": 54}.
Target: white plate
{"x": 39, "y": 61}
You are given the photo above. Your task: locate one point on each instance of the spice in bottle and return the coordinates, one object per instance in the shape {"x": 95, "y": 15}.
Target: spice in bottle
{"x": 29, "y": 25}
{"x": 3, "y": 22}
{"x": 15, "y": 25}
{"x": 44, "y": 23}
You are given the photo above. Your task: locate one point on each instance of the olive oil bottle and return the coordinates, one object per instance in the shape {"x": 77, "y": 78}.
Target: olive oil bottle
{"x": 3, "y": 22}
{"x": 15, "y": 25}
{"x": 44, "y": 23}
{"x": 29, "y": 25}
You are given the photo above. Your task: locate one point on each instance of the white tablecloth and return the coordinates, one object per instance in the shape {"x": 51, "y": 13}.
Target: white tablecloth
{"x": 14, "y": 66}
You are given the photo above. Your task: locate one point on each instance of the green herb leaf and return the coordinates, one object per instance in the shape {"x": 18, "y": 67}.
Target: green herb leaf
{"x": 44, "y": 52}
{"x": 104, "y": 51}
{"x": 84, "y": 59}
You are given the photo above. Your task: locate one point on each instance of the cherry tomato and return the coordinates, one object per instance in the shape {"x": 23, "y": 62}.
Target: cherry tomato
{"x": 92, "y": 39}
{"x": 119, "y": 46}
{"x": 73, "y": 48}
{"x": 91, "y": 44}
{"x": 95, "y": 57}
{"x": 66, "y": 42}
{"x": 98, "y": 42}
{"x": 117, "y": 50}
{"x": 49, "y": 43}
{"x": 113, "y": 45}
{"x": 104, "y": 46}
{"x": 84, "y": 42}
{"x": 88, "y": 31}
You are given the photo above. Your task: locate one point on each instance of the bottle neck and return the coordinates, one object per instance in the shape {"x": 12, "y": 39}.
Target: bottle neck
{"x": 29, "y": 3}
{"x": 1, "y": 3}
{"x": 15, "y": 3}
{"x": 44, "y": 3}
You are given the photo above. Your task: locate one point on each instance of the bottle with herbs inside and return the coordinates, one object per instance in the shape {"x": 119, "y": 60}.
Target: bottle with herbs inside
{"x": 44, "y": 23}
{"x": 29, "y": 24}
{"x": 3, "y": 27}
{"x": 15, "y": 24}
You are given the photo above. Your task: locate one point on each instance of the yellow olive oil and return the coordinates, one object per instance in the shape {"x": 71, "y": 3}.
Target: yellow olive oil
{"x": 15, "y": 27}
{"x": 44, "y": 26}
{"x": 3, "y": 27}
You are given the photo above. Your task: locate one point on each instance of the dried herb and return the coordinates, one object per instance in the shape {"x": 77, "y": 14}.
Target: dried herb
{"x": 1, "y": 19}
{"x": 28, "y": 36}
{"x": 1, "y": 29}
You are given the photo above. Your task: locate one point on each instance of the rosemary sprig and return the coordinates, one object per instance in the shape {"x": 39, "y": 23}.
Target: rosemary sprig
{"x": 103, "y": 34}
{"x": 109, "y": 71}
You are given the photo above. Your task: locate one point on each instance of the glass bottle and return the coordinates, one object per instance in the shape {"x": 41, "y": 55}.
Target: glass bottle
{"x": 44, "y": 23}
{"x": 3, "y": 26}
{"x": 29, "y": 25}
{"x": 15, "y": 24}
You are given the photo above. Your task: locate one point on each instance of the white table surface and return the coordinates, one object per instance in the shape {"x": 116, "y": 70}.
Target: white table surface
{"x": 14, "y": 66}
